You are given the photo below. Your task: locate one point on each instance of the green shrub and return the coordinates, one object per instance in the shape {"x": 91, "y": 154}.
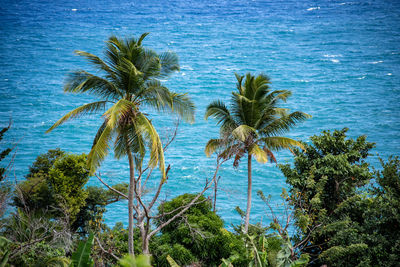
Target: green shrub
{"x": 197, "y": 236}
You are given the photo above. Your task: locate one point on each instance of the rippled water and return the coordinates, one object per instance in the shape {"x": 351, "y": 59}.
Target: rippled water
{"x": 340, "y": 59}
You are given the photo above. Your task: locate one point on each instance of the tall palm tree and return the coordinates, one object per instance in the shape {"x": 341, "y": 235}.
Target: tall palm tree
{"x": 129, "y": 82}
{"x": 252, "y": 124}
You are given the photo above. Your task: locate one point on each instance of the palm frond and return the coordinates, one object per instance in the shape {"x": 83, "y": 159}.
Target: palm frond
{"x": 99, "y": 132}
{"x": 169, "y": 63}
{"x": 146, "y": 128}
{"x": 159, "y": 97}
{"x": 277, "y": 143}
{"x": 82, "y": 81}
{"x": 183, "y": 106}
{"x": 99, "y": 149}
{"x": 244, "y": 132}
{"x": 97, "y": 62}
{"x": 270, "y": 155}
{"x": 149, "y": 63}
{"x": 118, "y": 110}
{"x": 220, "y": 112}
{"x": 283, "y": 124}
{"x": 213, "y": 145}
{"x": 80, "y": 111}
{"x": 141, "y": 38}
{"x": 276, "y": 95}
{"x": 154, "y": 94}
{"x": 239, "y": 79}
{"x": 259, "y": 154}
{"x": 241, "y": 108}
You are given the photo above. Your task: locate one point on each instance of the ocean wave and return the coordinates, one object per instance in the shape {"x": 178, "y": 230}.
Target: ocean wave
{"x": 329, "y": 56}
{"x": 313, "y": 8}
{"x": 186, "y": 67}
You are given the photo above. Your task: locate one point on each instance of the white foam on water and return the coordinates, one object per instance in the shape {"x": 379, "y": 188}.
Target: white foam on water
{"x": 329, "y": 56}
{"x": 335, "y": 60}
{"x": 389, "y": 74}
{"x": 313, "y": 8}
{"x": 361, "y": 78}
{"x": 74, "y": 9}
{"x": 377, "y": 62}
{"x": 186, "y": 67}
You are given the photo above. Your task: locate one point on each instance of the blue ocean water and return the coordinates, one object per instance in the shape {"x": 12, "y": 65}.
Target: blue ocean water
{"x": 341, "y": 60}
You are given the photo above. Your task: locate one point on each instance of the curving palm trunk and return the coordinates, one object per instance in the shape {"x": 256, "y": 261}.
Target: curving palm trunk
{"x": 131, "y": 249}
{"x": 246, "y": 223}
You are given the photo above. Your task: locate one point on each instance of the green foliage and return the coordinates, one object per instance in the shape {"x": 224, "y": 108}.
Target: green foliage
{"x": 115, "y": 240}
{"x": 128, "y": 79}
{"x": 284, "y": 257}
{"x": 139, "y": 261}
{"x": 81, "y": 257}
{"x": 55, "y": 186}
{"x": 35, "y": 239}
{"x": 90, "y": 216}
{"x": 254, "y": 121}
{"x": 197, "y": 236}
{"x": 340, "y": 221}
{"x": 326, "y": 174}
{"x": 253, "y": 125}
{"x": 3, "y": 153}
{"x": 66, "y": 180}
{"x": 364, "y": 229}
{"x": 45, "y": 162}
{"x": 172, "y": 262}
{"x": 4, "y": 250}
{"x": 42, "y": 254}
{"x": 56, "y": 179}
{"x": 5, "y": 187}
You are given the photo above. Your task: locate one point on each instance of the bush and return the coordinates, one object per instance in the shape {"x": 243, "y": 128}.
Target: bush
{"x": 197, "y": 236}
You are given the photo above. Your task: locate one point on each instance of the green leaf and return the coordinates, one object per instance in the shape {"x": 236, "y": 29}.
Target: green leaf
{"x": 4, "y": 259}
{"x": 243, "y": 132}
{"x": 258, "y": 153}
{"x": 78, "y": 112}
{"x": 81, "y": 257}
{"x": 171, "y": 262}
{"x": 131, "y": 261}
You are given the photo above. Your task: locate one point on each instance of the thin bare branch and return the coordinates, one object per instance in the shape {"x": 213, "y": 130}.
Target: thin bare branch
{"x": 191, "y": 203}
{"x": 109, "y": 187}
{"x": 105, "y": 251}
{"x": 177, "y": 209}
{"x": 159, "y": 188}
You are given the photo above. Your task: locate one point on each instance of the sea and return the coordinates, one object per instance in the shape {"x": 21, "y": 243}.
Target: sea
{"x": 340, "y": 59}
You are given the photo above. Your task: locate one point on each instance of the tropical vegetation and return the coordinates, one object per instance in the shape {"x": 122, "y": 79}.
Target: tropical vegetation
{"x": 337, "y": 209}
{"x": 130, "y": 81}
{"x": 252, "y": 125}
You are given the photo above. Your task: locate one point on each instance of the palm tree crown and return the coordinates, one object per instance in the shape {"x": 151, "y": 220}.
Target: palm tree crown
{"x": 129, "y": 82}
{"x": 253, "y": 124}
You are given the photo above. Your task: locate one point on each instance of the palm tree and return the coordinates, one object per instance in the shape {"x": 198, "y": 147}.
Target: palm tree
{"x": 130, "y": 80}
{"x": 251, "y": 125}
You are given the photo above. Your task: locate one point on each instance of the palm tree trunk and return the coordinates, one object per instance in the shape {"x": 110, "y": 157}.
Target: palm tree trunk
{"x": 247, "y": 220}
{"x": 131, "y": 249}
